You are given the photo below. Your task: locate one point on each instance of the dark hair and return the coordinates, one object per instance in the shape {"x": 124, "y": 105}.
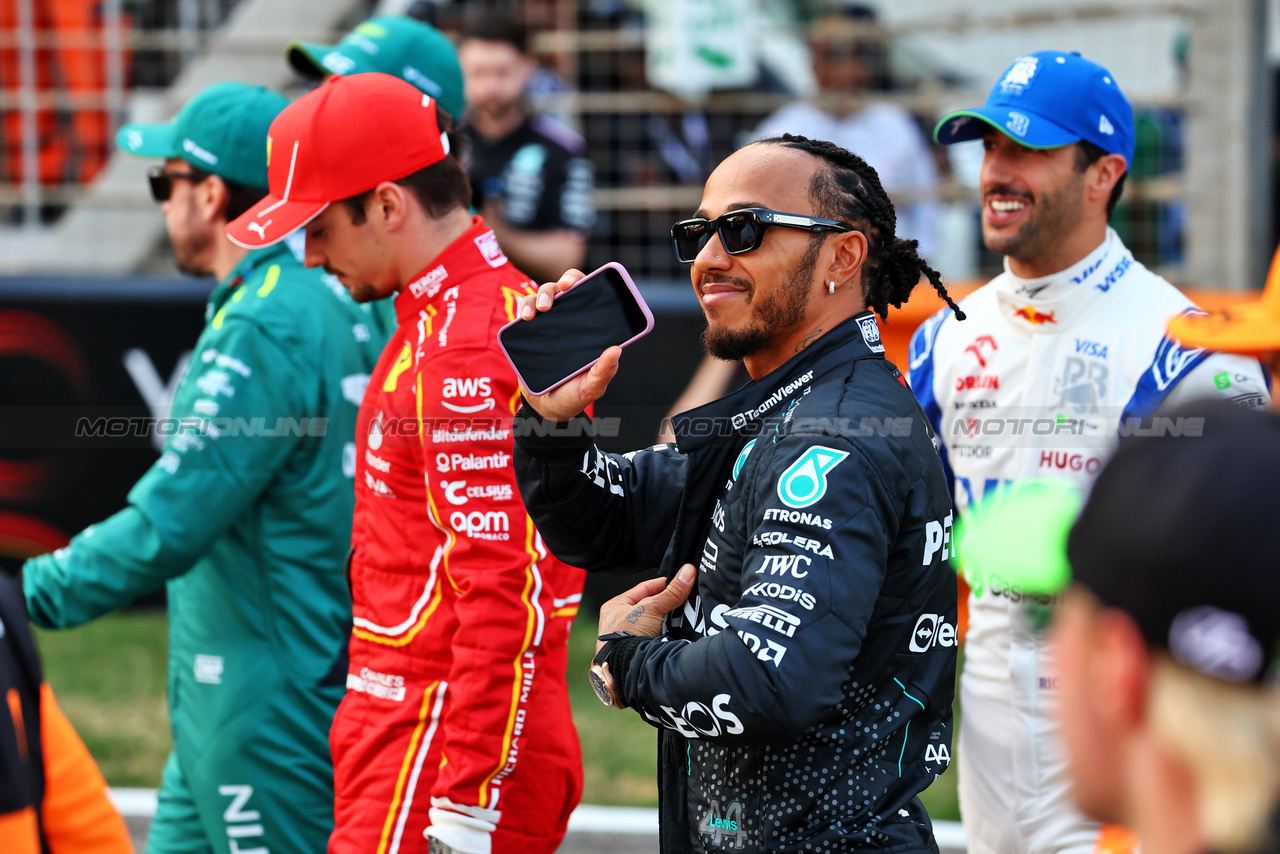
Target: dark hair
{"x": 490, "y": 23}
{"x": 439, "y": 188}
{"x": 848, "y": 190}
{"x": 240, "y": 198}
{"x": 1088, "y": 154}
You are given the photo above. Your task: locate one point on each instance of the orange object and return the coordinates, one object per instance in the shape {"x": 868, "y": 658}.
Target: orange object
{"x": 19, "y": 726}
{"x": 73, "y": 143}
{"x": 76, "y": 815}
{"x": 1114, "y": 839}
{"x": 19, "y": 833}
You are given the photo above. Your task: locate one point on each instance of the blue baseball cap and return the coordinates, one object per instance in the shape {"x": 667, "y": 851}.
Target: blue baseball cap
{"x": 1050, "y": 99}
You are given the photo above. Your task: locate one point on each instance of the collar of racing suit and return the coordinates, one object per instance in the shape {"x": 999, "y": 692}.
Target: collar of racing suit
{"x": 473, "y": 252}
{"x": 747, "y": 411}
{"x": 241, "y": 271}
{"x": 1052, "y": 303}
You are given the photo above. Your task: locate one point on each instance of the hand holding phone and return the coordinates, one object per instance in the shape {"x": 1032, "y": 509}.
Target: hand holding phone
{"x": 565, "y": 359}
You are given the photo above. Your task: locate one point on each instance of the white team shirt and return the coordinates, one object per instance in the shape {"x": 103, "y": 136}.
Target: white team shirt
{"x": 1041, "y": 380}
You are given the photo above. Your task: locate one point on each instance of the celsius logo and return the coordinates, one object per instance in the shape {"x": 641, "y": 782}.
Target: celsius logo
{"x": 805, "y": 481}
{"x": 931, "y": 630}
{"x": 451, "y": 490}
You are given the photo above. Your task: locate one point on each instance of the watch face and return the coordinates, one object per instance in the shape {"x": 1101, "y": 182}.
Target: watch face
{"x": 598, "y": 685}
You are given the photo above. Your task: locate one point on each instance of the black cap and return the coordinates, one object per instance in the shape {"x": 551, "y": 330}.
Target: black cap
{"x": 1183, "y": 533}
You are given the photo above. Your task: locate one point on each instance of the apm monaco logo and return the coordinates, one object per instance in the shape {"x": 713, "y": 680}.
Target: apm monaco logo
{"x": 871, "y": 333}
{"x": 487, "y": 243}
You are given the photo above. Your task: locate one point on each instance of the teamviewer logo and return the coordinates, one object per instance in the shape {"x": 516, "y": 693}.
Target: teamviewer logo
{"x": 931, "y": 630}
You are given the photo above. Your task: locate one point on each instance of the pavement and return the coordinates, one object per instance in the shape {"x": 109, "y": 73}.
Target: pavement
{"x": 592, "y": 829}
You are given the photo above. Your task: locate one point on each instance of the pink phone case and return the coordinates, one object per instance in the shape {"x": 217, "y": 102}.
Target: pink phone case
{"x": 635, "y": 292}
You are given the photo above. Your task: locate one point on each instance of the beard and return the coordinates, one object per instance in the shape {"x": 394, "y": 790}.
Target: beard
{"x": 191, "y": 246}
{"x": 777, "y": 313}
{"x": 1055, "y": 213}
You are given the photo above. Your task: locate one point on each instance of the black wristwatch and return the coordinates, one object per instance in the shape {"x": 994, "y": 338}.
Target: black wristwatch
{"x": 601, "y": 679}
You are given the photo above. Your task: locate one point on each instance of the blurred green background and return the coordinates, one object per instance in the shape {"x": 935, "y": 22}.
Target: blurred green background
{"x": 109, "y": 677}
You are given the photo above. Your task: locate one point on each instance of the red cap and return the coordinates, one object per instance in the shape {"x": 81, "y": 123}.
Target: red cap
{"x": 346, "y": 137}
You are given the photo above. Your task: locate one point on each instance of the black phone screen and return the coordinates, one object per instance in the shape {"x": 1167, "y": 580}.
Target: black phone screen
{"x": 599, "y": 313}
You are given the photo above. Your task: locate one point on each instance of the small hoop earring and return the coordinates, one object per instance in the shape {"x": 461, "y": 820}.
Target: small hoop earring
{"x": 831, "y": 288}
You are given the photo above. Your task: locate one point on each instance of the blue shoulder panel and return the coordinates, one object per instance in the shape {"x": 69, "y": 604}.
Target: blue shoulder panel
{"x": 1172, "y": 362}
{"x": 920, "y": 371}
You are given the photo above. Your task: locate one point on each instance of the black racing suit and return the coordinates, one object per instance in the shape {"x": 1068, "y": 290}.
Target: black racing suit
{"x": 803, "y": 694}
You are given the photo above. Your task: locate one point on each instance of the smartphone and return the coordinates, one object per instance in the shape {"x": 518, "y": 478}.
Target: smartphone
{"x": 604, "y": 308}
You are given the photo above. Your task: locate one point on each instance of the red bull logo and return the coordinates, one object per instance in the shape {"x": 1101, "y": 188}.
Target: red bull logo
{"x": 1034, "y": 317}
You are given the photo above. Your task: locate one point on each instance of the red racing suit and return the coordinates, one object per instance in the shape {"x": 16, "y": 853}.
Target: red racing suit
{"x": 456, "y": 715}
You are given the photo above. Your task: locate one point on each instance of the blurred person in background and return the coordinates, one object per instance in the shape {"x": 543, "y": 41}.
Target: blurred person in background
{"x": 410, "y": 49}
{"x": 53, "y": 799}
{"x": 1063, "y": 351}
{"x": 799, "y": 656}
{"x": 1167, "y": 636}
{"x": 455, "y": 733}
{"x": 849, "y": 60}
{"x": 528, "y": 175}
{"x": 246, "y": 516}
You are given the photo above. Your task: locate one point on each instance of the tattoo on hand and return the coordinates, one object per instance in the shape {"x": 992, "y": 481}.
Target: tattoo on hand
{"x": 634, "y": 615}
{"x": 808, "y": 339}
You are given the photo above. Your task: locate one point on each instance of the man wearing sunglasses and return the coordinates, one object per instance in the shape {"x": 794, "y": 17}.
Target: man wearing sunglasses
{"x": 1065, "y": 352}
{"x": 247, "y": 513}
{"x": 799, "y": 656}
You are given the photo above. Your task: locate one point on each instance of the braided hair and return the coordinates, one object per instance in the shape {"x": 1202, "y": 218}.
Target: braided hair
{"x": 848, "y": 190}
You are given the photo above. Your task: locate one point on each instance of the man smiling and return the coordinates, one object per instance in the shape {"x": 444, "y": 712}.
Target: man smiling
{"x": 1065, "y": 350}
{"x": 803, "y": 691}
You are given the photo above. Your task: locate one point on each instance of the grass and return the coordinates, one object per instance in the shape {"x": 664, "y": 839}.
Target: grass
{"x": 109, "y": 677}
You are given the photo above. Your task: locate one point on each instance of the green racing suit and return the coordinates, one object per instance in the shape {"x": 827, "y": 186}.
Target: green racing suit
{"x": 246, "y": 517}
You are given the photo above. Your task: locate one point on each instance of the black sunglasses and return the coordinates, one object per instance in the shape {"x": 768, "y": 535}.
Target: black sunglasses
{"x": 742, "y": 230}
{"x": 162, "y": 180}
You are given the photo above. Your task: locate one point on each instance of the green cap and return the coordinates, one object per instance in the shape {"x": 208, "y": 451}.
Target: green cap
{"x": 222, "y": 130}
{"x": 404, "y": 47}
{"x": 1017, "y": 538}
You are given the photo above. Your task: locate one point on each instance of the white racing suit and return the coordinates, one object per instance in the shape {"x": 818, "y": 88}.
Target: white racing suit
{"x": 1041, "y": 380}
